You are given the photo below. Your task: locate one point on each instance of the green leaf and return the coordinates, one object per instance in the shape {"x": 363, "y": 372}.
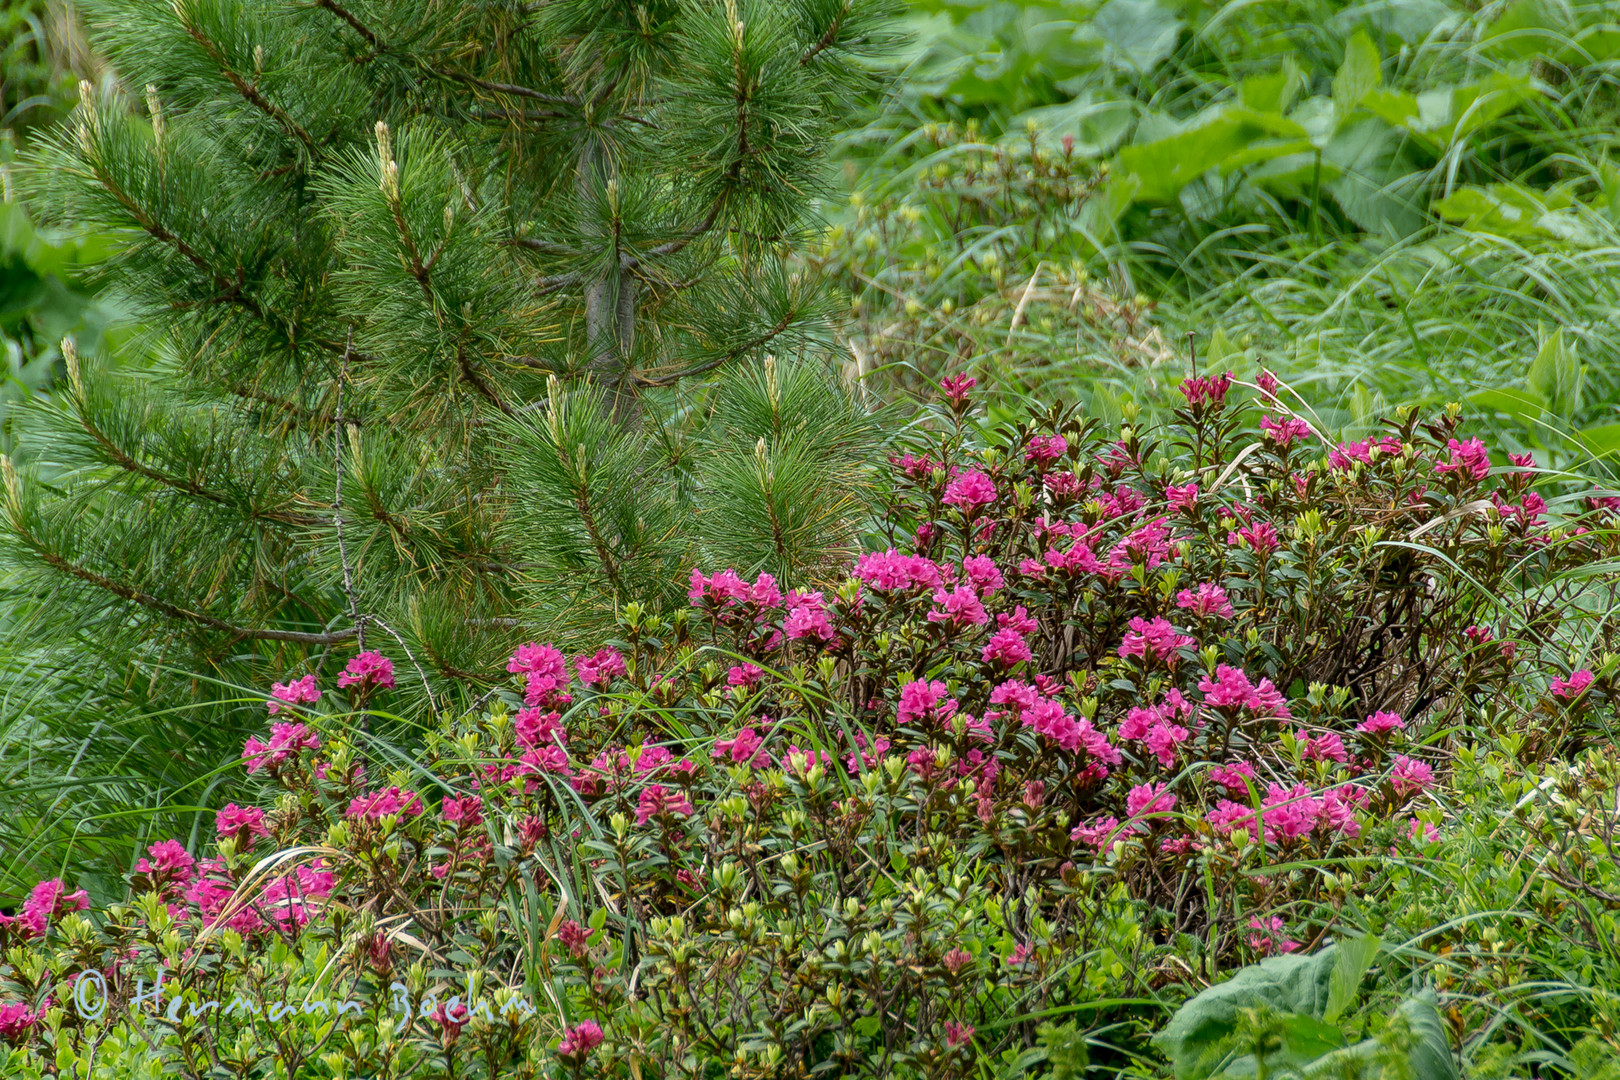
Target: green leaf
{"x": 1355, "y": 957}
{"x": 1274, "y": 92}
{"x": 1557, "y": 375}
{"x": 1525, "y": 405}
{"x": 1527, "y": 28}
{"x": 1138, "y": 33}
{"x": 1357, "y": 76}
{"x": 1600, "y": 441}
{"x": 1290, "y": 984}
{"x": 1165, "y": 166}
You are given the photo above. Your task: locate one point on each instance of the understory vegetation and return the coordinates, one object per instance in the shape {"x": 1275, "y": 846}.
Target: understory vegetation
{"x": 798, "y": 538}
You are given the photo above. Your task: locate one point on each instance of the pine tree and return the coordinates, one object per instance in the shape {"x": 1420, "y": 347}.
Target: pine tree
{"x": 467, "y": 322}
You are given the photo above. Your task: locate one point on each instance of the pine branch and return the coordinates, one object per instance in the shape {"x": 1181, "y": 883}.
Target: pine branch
{"x": 249, "y": 91}
{"x": 827, "y": 40}
{"x": 147, "y": 600}
{"x": 124, "y": 460}
{"x": 728, "y": 356}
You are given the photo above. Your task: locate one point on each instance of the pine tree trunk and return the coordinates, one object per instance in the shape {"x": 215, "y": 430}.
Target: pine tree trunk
{"x": 610, "y": 303}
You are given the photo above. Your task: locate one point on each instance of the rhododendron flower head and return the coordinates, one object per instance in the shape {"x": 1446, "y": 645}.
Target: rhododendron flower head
{"x": 659, "y": 801}
{"x": 297, "y": 692}
{"x": 1205, "y": 391}
{"x": 955, "y": 388}
{"x": 368, "y": 670}
{"x": 1573, "y": 687}
{"x": 969, "y": 491}
{"x": 1468, "y": 459}
{"x": 580, "y": 1040}
{"x": 1410, "y": 776}
{"x": 1285, "y": 432}
{"x": 921, "y": 701}
{"x": 1380, "y": 722}
{"x": 1154, "y": 640}
{"x": 1208, "y": 600}
{"x": 285, "y": 741}
{"x": 1149, "y": 799}
{"x": 599, "y": 670}
{"x": 381, "y": 804}
{"x": 960, "y": 608}
{"x": 241, "y": 823}
{"x": 1044, "y": 449}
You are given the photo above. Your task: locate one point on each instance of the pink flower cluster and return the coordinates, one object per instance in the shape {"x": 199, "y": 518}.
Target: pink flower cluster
{"x": 296, "y": 692}
{"x": 369, "y": 670}
{"x": 1231, "y": 690}
{"x": 285, "y": 741}
{"x": 1156, "y": 639}
{"x": 48, "y": 901}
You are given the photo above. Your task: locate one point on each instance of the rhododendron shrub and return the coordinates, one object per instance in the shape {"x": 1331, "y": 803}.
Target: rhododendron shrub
{"x": 1092, "y": 704}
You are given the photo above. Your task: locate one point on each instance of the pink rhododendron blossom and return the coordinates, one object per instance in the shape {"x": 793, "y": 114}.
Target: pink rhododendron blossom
{"x": 1285, "y": 432}
{"x": 1162, "y": 741}
{"x": 1043, "y": 449}
{"x": 1410, "y": 776}
{"x": 297, "y": 692}
{"x": 380, "y": 804}
{"x": 807, "y": 617}
{"x": 958, "y": 1034}
{"x": 1468, "y": 459}
{"x": 745, "y": 675}
{"x": 170, "y": 867}
{"x": 1149, "y": 800}
{"x": 1099, "y": 834}
{"x": 16, "y": 1018}
{"x": 580, "y": 1040}
{"x": 887, "y": 571}
{"x": 536, "y": 728}
{"x": 960, "y": 608}
{"x": 241, "y": 823}
{"x": 1232, "y": 776}
{"x": 462, "y": 813}
{"x": 1205, "y": 391}
{"x": 659, "y": 801}
{"x": 1422, "y": 831}
{"x": 1006, "y": 648}
{"x": 1261, "y": 537}
{"x": 956, "y": 387}
{"x": 1267, "y": 382}
{"x": 368, "y": 670}
{"x": 1573, "y": 687}
{"x": 285, "y": 741}
{"x": 1155, "y": 640}
{"x": 1347, "y": 454}
{"x": 1208, "y": 600}
{"x": 1018, "y": 621}
{"x": 600, "y": 669}
{"x": 982, "y": 574}
{"x": 575, "y": 938}
{"x": 1269, "y": 939}
{"x": 921, "y": 701}
{"x": 1231, "y": 689}
{"x": 1325, "y": 747}
{"x": 744, "y": 748}
{"x": 1380, "y": 722}
{"x": 1183, "y": 498}
{"x": 969, "y": 491}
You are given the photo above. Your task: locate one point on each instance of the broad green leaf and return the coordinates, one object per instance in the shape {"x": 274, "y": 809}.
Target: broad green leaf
{"x": 1355, "y": 957}
{"x": 1138, "y": 33}
{"x": 1167, "y": 165}
{"x": 1358, "y": 75}
{"x": 1290, "y": 984}
{"x": 1601, "y": 441}
{"x": 1556, "y": 374}
{"x": 1525, "y": 405}
{"x": 1274, "y": 92}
